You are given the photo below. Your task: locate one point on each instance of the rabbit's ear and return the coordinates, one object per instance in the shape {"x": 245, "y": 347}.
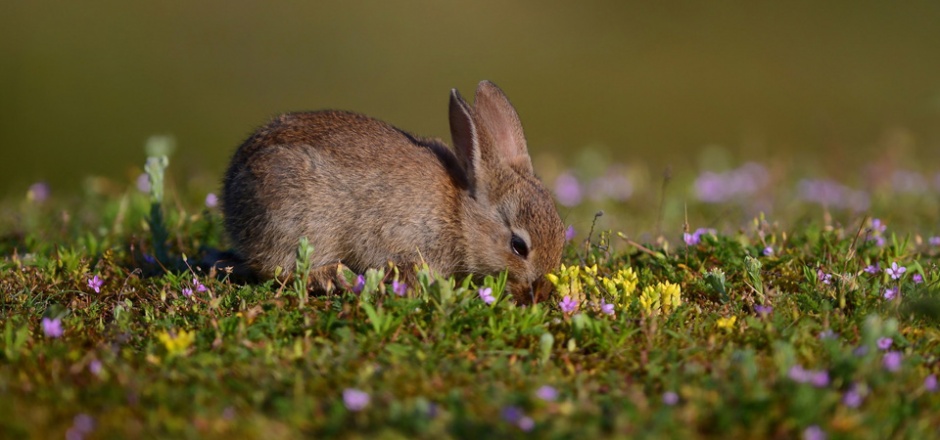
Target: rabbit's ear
{"x": 499, "y": 120}
{"x": 464, "y": 133}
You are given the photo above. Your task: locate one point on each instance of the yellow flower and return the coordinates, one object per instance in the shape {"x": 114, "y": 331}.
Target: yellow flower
{"x": 663, "y": 297}
{"x": 727, "y": 323}
{"x": 178, "y": 342}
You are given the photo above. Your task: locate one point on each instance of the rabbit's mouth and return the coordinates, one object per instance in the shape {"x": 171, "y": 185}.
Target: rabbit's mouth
{"x": 531, "y": 293}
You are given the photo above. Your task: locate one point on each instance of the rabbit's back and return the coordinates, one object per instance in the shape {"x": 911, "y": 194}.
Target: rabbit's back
{"x": 362, "y": 191}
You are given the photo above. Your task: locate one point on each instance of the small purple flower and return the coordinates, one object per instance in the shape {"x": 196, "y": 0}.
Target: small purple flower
{"x": 360, "y": 284}
{"x": 547, "y": 393}
{"x": 52, "y": 328}
{"x": 355, "y": 400}
{"x": 819, "y": 379}
{"x": 852, "y": 398}
{"x": 569, "y": 233}
{"x": 399, "y": 287}
{"x": 823, "y": 277}
{"x": 798, "y": 374}
{"x": 568, "y": 305}
{"x": 486, "y": 294}
{"x": 860, "y": 351}
{"x": 187, "y": 292}
{"x": 814, "y": 432}
{"x": 95, "y": 284}
{"x": 568, "y": 189}
{"x": 201, "y": 288}
{"x": 884, "y": 343}
{"x": 38, "y": 192}
{"x": 526, "y": 423}
{"x": 768, "y": 251}
{"x": 890, "y": 293}
{"x": 512, "y": 414}
{"x": 212, "y": 200}
{"x": 691, "y": 239}
{"x": 934, "y": 241}
{"x": 878, "y": 226}
{"x": 930, "y": 383}
{"x": 607, "y": 309}
{"x": 670, "y": 398}
{"x": 82, "y": 425}
{"x": 143, "y": 183}
{"x": 828, "y": 334}
{"x": 763, "y": 310}
{"x": 918, "y": 278}
{"x": 873, "y": 268}
{"x": 896, "y": 271}
{"x": 892, "y": 361}
{"x": 95, "y": 367}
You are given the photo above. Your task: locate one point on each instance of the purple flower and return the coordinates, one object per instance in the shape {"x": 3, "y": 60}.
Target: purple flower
{"x": 569, "y": 233}
{"x": 896, "y": 271}
{"x": 890, "y": 293}
{"x": 918, "y": 278}
{"x": 860, "y": 351}
{"x": 512, "y": 414}
{"x": 670, "y": 398}
{"x": 763, "y": 310}
{"x": 819, "y": 379}
{"x": 187, "y": 292}
{"x": 38, "y": 192}
{"x": 892, "y": 361}
{"x": 830, "y": 193}
{"x": 873, "y": 268}
{"x": 82, "y": 425}
{"x": 746, "y": 180}
{"x": 878, "y": 226}
{"x": 526, "y": 423}
{"x": 360, "y": 284}
{"x": 143, "y": 183}
{"x": 884, "y": 343}
{"x": 568, "y": 189}
{"x": 199, "y": 286}
{"x": 52, "y": 328}
{"x": 399, "y": 287}
{"x": 690, "y": 239}
{"x": 930, "y": 383}
{"x": 355, "y": 400}
{"x": 212, "y": 200}
{"x": 568, "y": 305}
{"x": 814, "y": 432}
{"x": 852, "y": 398}
{"x": 95, "y": 284}
{"x": 828, "y": 334}
{"x": 547, "y": 393}
{"x": 607, "y": 309}
{"x": 823, "y": 277}
{"x": 486, "y": 294}
{"x": 934, "y": 241}
{"x": 768, "y": 251}
{"x": 95, "y": 367}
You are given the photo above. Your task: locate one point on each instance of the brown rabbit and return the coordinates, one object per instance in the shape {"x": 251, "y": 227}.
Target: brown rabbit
{"x": 366, "y": 193}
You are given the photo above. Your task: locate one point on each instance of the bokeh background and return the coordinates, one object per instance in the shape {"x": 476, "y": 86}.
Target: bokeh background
{"x": 825, "y": 88}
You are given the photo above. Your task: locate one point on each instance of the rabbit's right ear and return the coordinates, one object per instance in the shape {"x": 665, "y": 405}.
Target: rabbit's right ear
{"x": 466, "y": 141}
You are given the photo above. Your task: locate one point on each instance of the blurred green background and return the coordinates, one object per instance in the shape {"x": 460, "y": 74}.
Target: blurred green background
{"x": 84, "y": 84}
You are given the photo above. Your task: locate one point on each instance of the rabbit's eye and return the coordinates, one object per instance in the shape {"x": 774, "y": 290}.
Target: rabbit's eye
{"x": 518, "y": 246}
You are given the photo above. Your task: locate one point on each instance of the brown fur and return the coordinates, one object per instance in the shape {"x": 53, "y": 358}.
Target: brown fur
{"x": 366, "y": 193}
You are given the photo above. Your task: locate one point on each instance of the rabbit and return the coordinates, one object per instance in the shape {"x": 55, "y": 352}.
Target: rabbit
{"x": 366, "y": 194}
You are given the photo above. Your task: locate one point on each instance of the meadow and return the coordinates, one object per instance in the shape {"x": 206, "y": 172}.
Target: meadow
{"x": 747, "y": 303}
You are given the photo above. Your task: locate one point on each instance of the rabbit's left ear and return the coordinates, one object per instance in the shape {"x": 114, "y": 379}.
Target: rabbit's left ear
{"x": 466, "y": 140}
{"x": 498, "y": 119}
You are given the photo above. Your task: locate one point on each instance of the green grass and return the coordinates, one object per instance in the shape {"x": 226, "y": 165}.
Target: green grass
{"x": 263, "y": 361}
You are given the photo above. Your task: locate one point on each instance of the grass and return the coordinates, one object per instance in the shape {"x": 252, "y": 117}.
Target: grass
{"x": 756, "y": 344}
